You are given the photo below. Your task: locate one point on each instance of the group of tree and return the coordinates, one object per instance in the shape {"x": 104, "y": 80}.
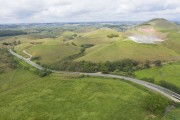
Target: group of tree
{"x": 87, "y": 45}
{"x": 12, "y": 43}
{"x": 42, "y": 73}
{"x": 7, "y": 61}
{"x": 125, "y": 65}
{"x": 156, "y": 104}
{"x": 170, "y": 86}
{"x": 112, "y": 35}
{"x": 4, "y": 33}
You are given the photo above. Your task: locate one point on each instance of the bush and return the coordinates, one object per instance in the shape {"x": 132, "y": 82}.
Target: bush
{"x": 156, "y": 104}
{"x": 157, "y": 63}
{"x": 42, "y": 73}
{"x": 170, "y": 86}
{"x": 6, "y": 60}
{"x": 36, "y": 58}
{"x": 112, "y": 35}
{"x": 151, "y": 80}
{"x": 5, "y": 43}
{"x": 87, "y": 45}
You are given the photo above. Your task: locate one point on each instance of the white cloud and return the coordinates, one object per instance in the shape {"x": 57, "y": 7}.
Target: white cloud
{"x": 86, "y": 10}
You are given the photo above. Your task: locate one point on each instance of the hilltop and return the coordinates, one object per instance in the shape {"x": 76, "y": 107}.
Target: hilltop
{"x": 161, "y": 24}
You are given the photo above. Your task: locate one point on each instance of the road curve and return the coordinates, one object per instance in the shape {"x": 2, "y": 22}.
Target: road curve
{"x": 25, "y": 52}
{"x": 164, "y": 91}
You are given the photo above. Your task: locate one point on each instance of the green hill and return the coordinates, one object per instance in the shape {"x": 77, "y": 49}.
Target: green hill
{"x": 128, "y": 49}
{"x": 26, "y": 96}
{"x": 162, "y": 24}
{"x": 69, "y": 97}
{"x": 168, "y": 73}
{"x": 97, "y": 37}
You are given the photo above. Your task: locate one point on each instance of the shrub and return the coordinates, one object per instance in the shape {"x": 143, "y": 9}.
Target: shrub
{"x": 169, "y": 86}
{"x": 151, "y": 80}
{"x": 36, "y": 58}
{"x": 87, "y": 45}
{"x": 156, "y": 104}
{"x": 5, "y": 43}
{"x": 112, "y": 35}
{"x": 42, "y": 73}
{"x": 157, "y": 63}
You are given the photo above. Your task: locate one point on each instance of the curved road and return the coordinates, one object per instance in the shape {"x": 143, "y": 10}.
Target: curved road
{"x": 171, "y": 95}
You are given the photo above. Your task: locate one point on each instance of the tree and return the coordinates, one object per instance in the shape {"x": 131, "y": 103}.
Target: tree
{"x": 5, "y": 43}
{"x": 104, "y": 69}
{"x": 157, "y": 63}
{"x": 147, "y": 64}
{"x": 19, "y": 42}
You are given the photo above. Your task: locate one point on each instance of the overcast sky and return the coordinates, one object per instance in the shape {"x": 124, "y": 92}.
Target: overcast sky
{"x": 25, "y": 11}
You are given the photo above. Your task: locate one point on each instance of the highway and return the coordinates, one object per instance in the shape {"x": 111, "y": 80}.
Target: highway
{"x": 168, "y": 93}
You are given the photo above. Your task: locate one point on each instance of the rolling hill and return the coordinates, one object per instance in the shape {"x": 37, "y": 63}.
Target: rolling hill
{"x": 129, "y": 50}
{"x": 162, "y": 24}
{"x": 167, "y": 50}
{"x": 27, "y": 96}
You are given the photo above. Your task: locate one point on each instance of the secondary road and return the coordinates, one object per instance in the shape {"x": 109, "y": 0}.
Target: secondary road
{"x": 30, "y": 56}
{"x": 168, "y": 93}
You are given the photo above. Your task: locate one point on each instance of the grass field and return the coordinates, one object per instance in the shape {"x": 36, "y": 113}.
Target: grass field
{"x": 50, "y": 53}
{"x": 173, "y": 115}
{"x": 27, "y": 96}
{"x": 169, "y": 73}
{"x": 173, "y": 41}
{"x": 128, "y": 49}
{"x": 50, "y": 50}
{"x": 97, "y": 37}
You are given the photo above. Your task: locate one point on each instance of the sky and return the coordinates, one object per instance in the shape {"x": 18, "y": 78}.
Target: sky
{"x": 43, "y": 11}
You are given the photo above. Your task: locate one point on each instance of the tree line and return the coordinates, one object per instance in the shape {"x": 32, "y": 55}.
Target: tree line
{"x": 4, "y": 33}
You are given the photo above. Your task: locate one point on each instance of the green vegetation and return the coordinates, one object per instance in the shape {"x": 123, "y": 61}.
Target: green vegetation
{"x": 163, "y": 24}
{"x": 170, "y": 86}
{"x": 11, "y": 33}
{"x": 27, "y": 93}
{"x": 26, "y": 96}
{"x": 96, "y": 37}
{"x": 6, "y": 61}
{"x": 128, "y": 50}
{"x": 112, "y": 35}
{"x": 168, "y": 73}
{"x": 127, "y": 66}
{"x": 173, "y": 115}
{"x": 156, "y": 104}
{"x": 173, "y": 41}
{"x": 12, "y": 44}
{"x": 50, "y": 54}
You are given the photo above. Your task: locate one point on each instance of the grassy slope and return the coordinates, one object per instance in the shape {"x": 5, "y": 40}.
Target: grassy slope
{"x": 50, "y": 53}
{"x": 173, "y": 115}
{"x": 169, "y": 73}
{"x": 96, "y": 37}
{"x": 163, "y": 24}
{"x": 173, "y": 41}
{"x": 49, "y": 50}
{"x": 26, "y": 96}
{"x": 127, "y": 49}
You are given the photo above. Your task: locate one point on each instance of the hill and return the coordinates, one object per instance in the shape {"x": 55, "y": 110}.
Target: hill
{"x": 168, "y": 73}
{"x": 162, "y": 24}
{"x": 74, "y": 98}
{"x": 28, "y": 96}
{"x": 129, "y": 50}
{"x": 97, "y": 37}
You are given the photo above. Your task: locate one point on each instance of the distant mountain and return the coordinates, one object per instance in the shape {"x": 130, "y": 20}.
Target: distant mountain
{"x": 161, "y": 24}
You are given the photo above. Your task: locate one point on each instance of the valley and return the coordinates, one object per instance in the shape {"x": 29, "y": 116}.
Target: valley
{"x": 83, "y": 70}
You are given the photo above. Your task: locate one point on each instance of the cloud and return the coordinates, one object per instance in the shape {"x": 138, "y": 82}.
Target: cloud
{"x": 17, "y": 11}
